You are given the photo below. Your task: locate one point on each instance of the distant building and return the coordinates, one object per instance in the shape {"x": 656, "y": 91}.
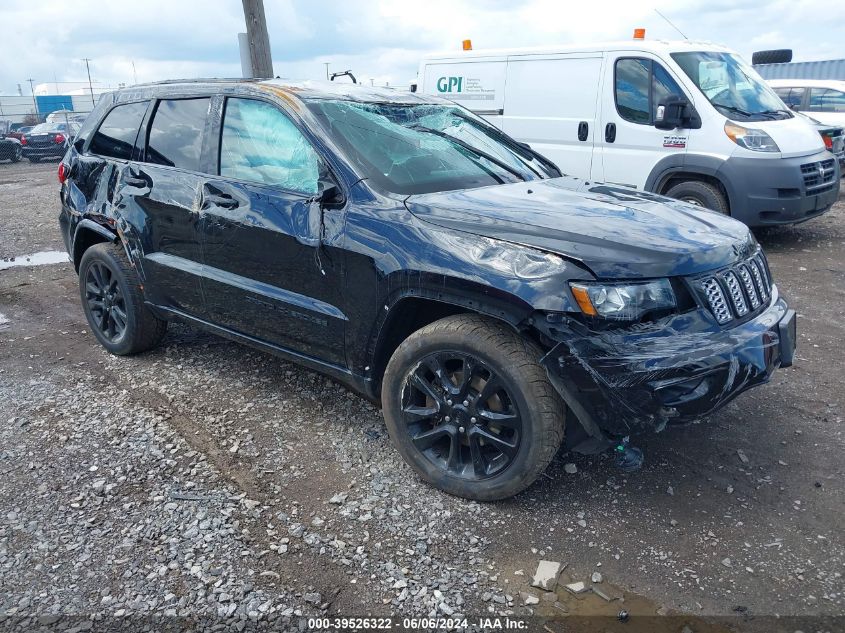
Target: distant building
{"x": 74, "y": 88}
{"x": 825, "y": 69}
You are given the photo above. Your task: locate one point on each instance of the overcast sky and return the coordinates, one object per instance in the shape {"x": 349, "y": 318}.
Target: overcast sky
{"x": 46, "y": 40}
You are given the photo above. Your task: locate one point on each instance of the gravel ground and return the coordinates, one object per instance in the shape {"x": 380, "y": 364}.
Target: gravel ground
{"x": 208, "y": 480}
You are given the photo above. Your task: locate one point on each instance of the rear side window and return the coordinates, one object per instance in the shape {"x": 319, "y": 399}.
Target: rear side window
{"x": 826, "y": 100}
{"x": 792, "y": 97}
{"x": 260, "y": 144}
{"x": 116, "y": 136}
{"x": 640, "y": 86}
{"x": 176, "y": 132}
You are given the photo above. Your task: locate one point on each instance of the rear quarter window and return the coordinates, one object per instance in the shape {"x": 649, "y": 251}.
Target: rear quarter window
{"x": 116, "y": 136}
{"x": 826, "y": 100}
{"x": 176, "y": 133}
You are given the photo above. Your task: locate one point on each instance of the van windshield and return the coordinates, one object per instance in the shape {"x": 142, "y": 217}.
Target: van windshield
{"x": 422, "y": 148}
{"x": 732, "y": 86}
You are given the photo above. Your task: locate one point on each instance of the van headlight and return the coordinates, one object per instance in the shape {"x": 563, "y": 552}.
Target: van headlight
{"x": 750, "y": 138}
{"x": 623, "y": 302}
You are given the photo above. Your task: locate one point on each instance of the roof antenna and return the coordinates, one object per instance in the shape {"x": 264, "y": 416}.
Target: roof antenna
{"x": 670, "y": 24}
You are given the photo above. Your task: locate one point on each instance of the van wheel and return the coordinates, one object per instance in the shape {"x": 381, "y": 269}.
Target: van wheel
{"x": 113, "y": 303}
{"x": 701, "y": 194}
{"x": 471, "y": 409}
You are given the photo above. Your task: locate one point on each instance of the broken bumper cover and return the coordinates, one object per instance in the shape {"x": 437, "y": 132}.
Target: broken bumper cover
{"x": 640, "y": 379}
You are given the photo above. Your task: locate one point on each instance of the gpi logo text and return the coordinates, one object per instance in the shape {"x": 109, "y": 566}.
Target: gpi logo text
{"x": 449, "y": 84}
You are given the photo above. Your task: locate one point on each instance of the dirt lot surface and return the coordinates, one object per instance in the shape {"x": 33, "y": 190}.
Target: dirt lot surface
{"x": 207, "y": 479}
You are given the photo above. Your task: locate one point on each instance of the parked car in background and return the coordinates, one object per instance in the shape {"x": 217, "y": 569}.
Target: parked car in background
{"x": 10, "y": 149}
{"x": 19, "y": 132}
{"x": 823, "y": 99}
{"x": 833, "y": 137}
{"x": 414, "y": 252}
{"x": 48, "y": 140}
{"x": 690, "y": 120}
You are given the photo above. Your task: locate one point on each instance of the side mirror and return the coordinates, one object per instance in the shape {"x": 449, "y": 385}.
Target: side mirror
{"x": 328, "y": 192}
{"x": 308, "y": 228}
{"x": 674, "y": 112}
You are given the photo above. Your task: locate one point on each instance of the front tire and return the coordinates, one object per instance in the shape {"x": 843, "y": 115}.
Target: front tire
{"x": 471, "y": 409}
{"x": 114, "y": 306}
{"x": 701, "y": 194}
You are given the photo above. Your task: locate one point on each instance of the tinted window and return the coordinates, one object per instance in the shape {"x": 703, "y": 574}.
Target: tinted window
{"x": 640, "y": 85}
{"x": 632, "y": 89}
{"x": 826, "y": 100}
{"x": 116, "y": 136}
{"x": 176, "y": 133}
{"x": 260, "y": 144}
{"x": 791, "y": 96}
{"x": 662, "y": 85}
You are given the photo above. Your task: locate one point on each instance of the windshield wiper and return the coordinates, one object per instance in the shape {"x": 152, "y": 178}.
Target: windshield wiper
{"x": 772, "y": 112}
{"x": 731, "y": 108}
{"x": 474, "y": 150}
{"x": 766, "y": 113}
{"x": 504, "y": 138}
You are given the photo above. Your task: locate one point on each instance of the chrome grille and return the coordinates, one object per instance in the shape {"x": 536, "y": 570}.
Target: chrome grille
{"x": 716, "y": 299}
{"x": 748, "y": 283}
{"x": 761, "y": 277}
{"x": 737, "y": 291}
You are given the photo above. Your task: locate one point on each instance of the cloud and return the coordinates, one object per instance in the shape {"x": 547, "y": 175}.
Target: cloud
{"x": 378, "y": 39}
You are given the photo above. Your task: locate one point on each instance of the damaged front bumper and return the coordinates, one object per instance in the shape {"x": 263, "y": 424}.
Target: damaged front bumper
{"x": 639, "y": 379}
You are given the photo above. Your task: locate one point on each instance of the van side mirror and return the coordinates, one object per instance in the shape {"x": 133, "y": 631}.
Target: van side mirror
{"x": 676, "y": 112}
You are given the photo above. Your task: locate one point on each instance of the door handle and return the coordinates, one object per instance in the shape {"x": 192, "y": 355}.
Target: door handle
{"x": 219, "y": 200}
{"x": 610, "y": 132}
{"x": 583, "y": 130}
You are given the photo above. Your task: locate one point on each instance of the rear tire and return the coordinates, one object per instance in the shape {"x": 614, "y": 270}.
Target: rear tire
{"x": 114, "y": 304}
{"x": 16, "y": 155}
{"x": 469, "y": 407}
{"x": 701, "y": 194}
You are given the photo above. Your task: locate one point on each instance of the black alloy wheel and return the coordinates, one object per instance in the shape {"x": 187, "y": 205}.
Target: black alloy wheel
{"x": 471, "y": 409}
{"x": 105, "y": 301}
{"x": 461, "y": 416}
{"x": 113, "y": 301}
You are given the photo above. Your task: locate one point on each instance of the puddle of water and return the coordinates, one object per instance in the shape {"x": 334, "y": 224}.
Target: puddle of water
{"x": 36, "y": 259}
{"x": 596, "y": 614}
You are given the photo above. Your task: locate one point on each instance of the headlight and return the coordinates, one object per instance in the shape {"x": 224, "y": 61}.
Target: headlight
{"x": 749, "y": 138}
{"x": 624, "y": 302}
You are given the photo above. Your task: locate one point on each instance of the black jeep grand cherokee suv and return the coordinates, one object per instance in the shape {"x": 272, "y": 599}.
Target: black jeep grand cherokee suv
{"x": 410, "y": 250}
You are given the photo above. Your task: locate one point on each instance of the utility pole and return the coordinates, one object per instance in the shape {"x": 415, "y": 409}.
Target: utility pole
{"x": 327, "y": 69}
{"x": 90, "y": 87}
{"x": 259, "y": 40}
{"x": 32, "y": 90}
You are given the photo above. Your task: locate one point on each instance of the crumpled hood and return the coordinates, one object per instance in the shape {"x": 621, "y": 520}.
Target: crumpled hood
{"x": 619, "y": 233}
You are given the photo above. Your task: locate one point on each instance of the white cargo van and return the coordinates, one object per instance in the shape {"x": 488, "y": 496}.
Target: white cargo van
{"x": 687, "y": 119}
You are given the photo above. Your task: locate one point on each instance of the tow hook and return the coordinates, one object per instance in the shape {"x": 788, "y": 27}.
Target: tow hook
{"x": 628, "y": 458}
